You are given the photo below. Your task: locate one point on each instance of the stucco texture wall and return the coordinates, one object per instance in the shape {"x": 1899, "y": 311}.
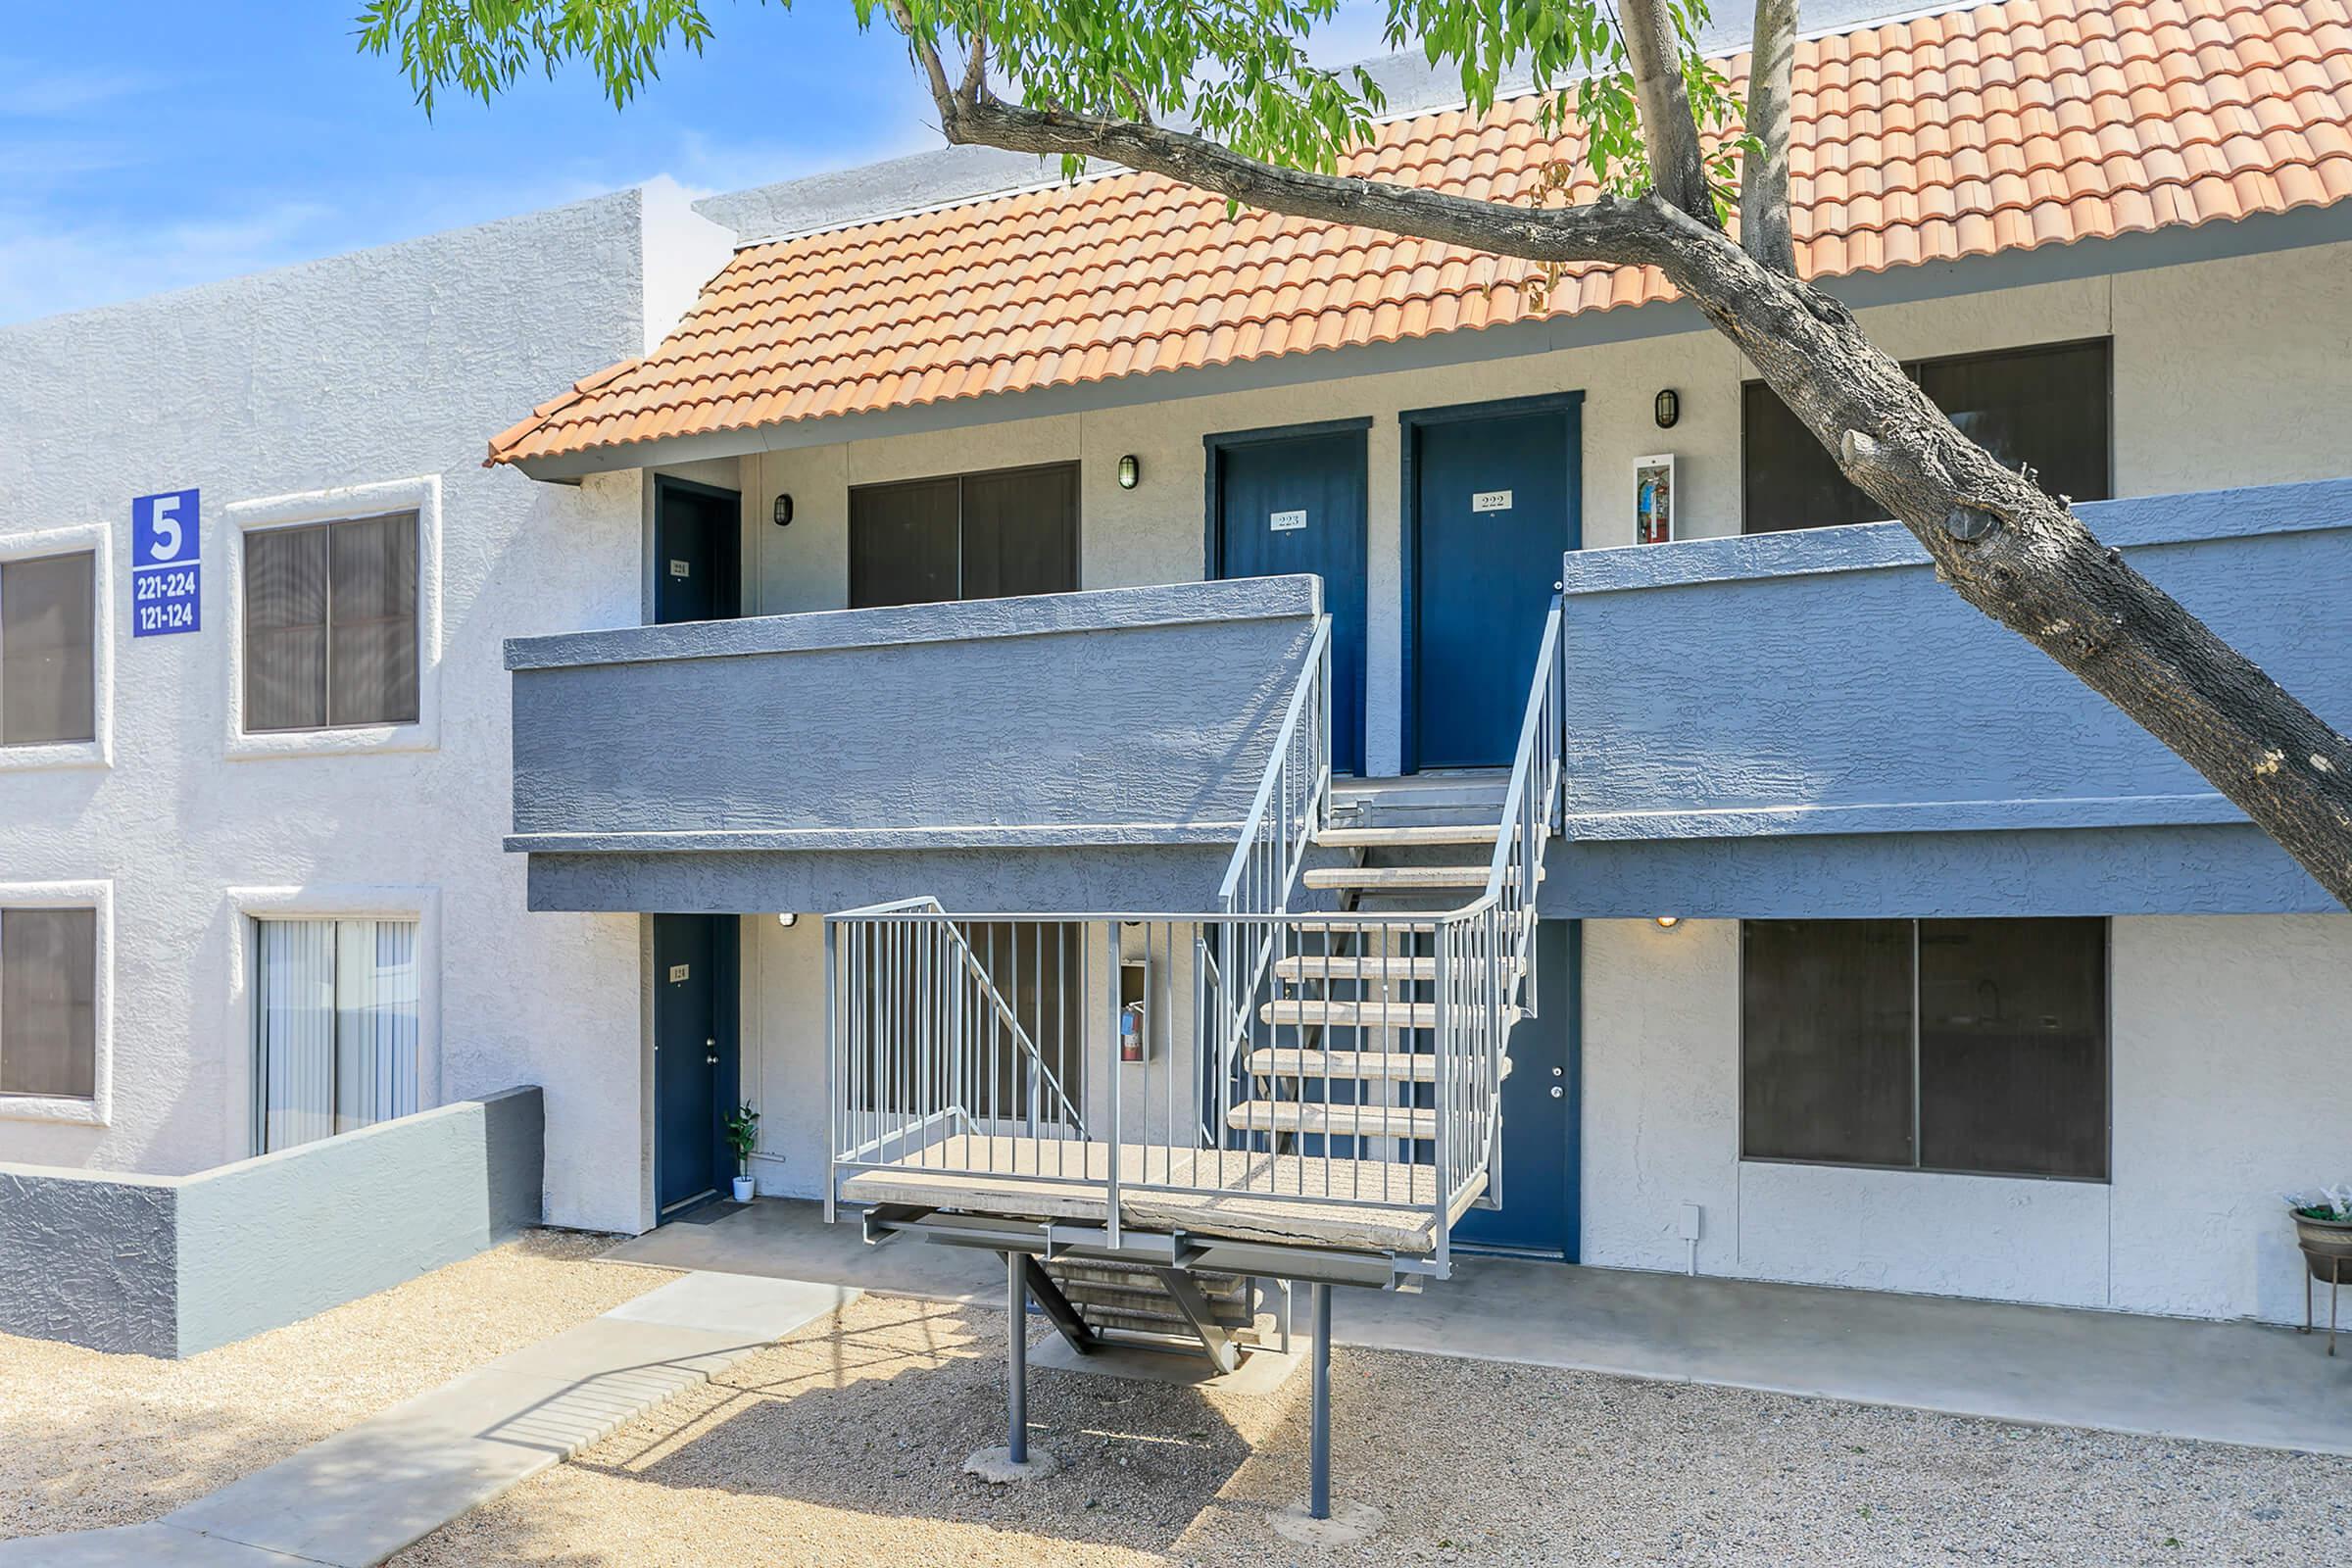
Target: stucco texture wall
{"x": 379, "y": 366}
{"x": 2226, "y": 373}
{"x": 2223, "y": 1029}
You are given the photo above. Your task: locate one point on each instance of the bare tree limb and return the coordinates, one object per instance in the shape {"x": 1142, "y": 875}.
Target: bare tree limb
{"x": 1678, "y": 170}
{"x": 1765, "y": 231}
{"x": 1608, "y": 230}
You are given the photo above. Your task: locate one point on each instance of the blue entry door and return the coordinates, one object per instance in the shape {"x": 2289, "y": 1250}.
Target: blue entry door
{"x": 698, "y": 552}
{"x": 1494, "y": 498}
{"x": 1295, "y": 503}
{"x": 1540, "y": 1115}
{"x": 695, "y": 1067}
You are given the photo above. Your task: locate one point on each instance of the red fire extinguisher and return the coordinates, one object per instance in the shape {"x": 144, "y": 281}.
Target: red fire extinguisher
{"x": 1130, "y": 1032}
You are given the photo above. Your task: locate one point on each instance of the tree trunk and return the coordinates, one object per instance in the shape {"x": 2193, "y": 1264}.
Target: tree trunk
{"x": 2023, "y": 558}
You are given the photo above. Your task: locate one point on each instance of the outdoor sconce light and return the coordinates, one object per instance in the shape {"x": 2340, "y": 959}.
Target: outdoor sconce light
{"x": 1131, "y": 471}
{"x": 1668, "y": 409}
{"x": 783, "y": 512}
{"x": 1667, "y": 923}
{"x": 788, "y": 921}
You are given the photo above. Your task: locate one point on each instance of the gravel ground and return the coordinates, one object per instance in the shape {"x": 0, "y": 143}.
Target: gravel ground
{"x": 843, "y": 1447}
{"x": 88, "y": 1439}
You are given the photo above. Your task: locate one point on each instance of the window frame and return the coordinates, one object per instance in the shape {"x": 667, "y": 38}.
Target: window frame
{"x": 95, "y": 540}
{"x": 352, "y": 503}
{"x": 247, "y": 907}
{"x": 98, "y": 1109}
{"x": 1912, "y": 368}
{"x": 1918, "y": 1166}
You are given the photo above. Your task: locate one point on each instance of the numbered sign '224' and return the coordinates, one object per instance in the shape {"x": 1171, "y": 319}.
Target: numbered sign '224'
{"x": 166, "y": 576}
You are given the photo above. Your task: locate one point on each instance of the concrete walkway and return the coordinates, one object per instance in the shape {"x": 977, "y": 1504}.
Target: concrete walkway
{"x": 2238, "y": 1383}
{"x": 364, "y": 1494}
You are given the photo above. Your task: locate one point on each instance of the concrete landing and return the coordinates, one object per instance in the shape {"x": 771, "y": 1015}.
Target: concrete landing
{"x": 2243, "y": 1383}
{"x": 364, "y": 1494}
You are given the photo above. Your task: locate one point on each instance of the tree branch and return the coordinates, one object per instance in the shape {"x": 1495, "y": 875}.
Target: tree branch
{"x": 1678, "y": 170}
{"x": 1605, "y": 231}
{"x": 1765, "y": 232}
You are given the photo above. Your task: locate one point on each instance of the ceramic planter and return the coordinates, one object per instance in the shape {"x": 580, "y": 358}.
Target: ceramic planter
{"x": 2327, "y": 1247}
{"x": 743, "y": 1188}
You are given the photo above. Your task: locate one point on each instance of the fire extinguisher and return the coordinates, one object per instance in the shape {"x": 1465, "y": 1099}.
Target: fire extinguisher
{"x": 1130, "y": 1032}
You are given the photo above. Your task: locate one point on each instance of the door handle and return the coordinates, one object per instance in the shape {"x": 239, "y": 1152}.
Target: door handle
{"x": 1557, "y": 1091}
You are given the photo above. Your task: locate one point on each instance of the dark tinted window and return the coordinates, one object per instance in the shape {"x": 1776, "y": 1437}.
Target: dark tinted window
{"x": 48, "y": 685}
{"x": 2049, "y": 407}
{"x": 1826, "y": 1041}
{"x": 972, "y": 536}
{"x": 2012, "y": 1046}
{"x": 1990, "y": 1037}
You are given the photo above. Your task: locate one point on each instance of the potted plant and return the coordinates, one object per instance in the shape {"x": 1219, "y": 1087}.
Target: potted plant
{"x": 743, "y": 1136}
{"x": 2324, "y": 1230}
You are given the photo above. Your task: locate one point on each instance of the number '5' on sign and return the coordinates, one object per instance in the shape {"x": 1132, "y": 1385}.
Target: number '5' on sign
{"x": 164, "y": 530}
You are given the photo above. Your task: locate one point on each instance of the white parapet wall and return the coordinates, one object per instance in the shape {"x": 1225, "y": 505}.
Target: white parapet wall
{"x": 2227, "y": 1035}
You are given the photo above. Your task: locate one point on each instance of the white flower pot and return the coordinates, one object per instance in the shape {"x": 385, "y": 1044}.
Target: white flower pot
{"x": 743, "y": 1188}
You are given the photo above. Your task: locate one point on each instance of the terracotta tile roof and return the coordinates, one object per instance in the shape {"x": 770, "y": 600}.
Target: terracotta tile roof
{"x": 1924, "y": 139}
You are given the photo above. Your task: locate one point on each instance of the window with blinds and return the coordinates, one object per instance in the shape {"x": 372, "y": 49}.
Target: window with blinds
{"x": 48, "y": 650}
{"x": 334, "y": 1027}
{"x": 330, "y": 624}
{"x": 49, "y": 1003}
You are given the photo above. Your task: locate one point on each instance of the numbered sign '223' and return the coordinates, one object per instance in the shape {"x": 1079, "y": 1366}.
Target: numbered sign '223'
{"x": 165, "y": 575}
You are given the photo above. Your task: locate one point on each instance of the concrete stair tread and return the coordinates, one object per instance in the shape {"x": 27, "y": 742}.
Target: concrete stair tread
{"x": 1396, "y": 876}
{"x": 1367, "y": 1121}
{"x": 1380, "y": 838}
{"x": 1350, "y": 1066}
{"x": 1312, "y": 1012}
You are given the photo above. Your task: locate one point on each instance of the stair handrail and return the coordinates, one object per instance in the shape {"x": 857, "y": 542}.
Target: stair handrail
{"x": 1276, "y": 835}
{"x": 1527, "y": 815}
{"x": 1046, "y": 1077}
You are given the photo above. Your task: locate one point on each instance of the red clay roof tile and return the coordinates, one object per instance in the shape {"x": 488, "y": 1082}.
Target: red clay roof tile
{"x": 2026, "y": 123}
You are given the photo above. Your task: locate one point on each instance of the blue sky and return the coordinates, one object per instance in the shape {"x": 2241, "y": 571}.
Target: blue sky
{"x": 147, "y": 144}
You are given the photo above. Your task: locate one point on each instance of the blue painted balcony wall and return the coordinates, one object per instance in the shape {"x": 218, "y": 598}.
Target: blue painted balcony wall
{"x": 1809, "y": 724}
{"x": 1098, "y": 747}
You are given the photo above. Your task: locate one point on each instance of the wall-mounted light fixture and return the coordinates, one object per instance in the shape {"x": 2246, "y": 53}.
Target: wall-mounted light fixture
{"x": 1131, "y": 471}
{"x": 1668, "y": 407}
{"x": 783, "y": 512}
{"x": 1667, "y": 923}
{"x": 788, "y": 920}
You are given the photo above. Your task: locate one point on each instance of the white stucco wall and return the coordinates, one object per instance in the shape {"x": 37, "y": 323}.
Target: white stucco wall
{"x": 392, "y": 365}
{"x": 2223, "y": 1029}
{"x": 2226, "y": 372}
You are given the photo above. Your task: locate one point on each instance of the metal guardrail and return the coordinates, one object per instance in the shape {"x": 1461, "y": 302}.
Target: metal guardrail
{"x": 936, "y": 1021}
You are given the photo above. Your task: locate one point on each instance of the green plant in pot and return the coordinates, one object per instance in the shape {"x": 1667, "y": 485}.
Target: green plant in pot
{"x": 743, "y": 1137}
{"x": 2324, "y": 1230}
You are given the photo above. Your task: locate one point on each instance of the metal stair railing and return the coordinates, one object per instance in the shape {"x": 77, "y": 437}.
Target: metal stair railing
{"x": 942, "y": 1035}
{"x": 1292, "y": 797}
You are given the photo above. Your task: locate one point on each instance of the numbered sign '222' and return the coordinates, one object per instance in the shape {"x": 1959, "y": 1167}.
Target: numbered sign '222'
{"x": 165, "y": 574}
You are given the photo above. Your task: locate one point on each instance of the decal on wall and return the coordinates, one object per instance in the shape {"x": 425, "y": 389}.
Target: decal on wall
{"x": 1490, "y": 501}
{"x": 1287, "y": 521}
{"x": 165, "y": 571}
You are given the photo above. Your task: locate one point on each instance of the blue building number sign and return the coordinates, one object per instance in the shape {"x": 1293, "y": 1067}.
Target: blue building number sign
{"x": 165, "y": 575}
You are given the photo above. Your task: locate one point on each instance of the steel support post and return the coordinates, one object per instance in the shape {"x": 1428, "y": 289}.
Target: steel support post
{"x": 1318, "y": 1500}
{"x": 1017, "y": 1358}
